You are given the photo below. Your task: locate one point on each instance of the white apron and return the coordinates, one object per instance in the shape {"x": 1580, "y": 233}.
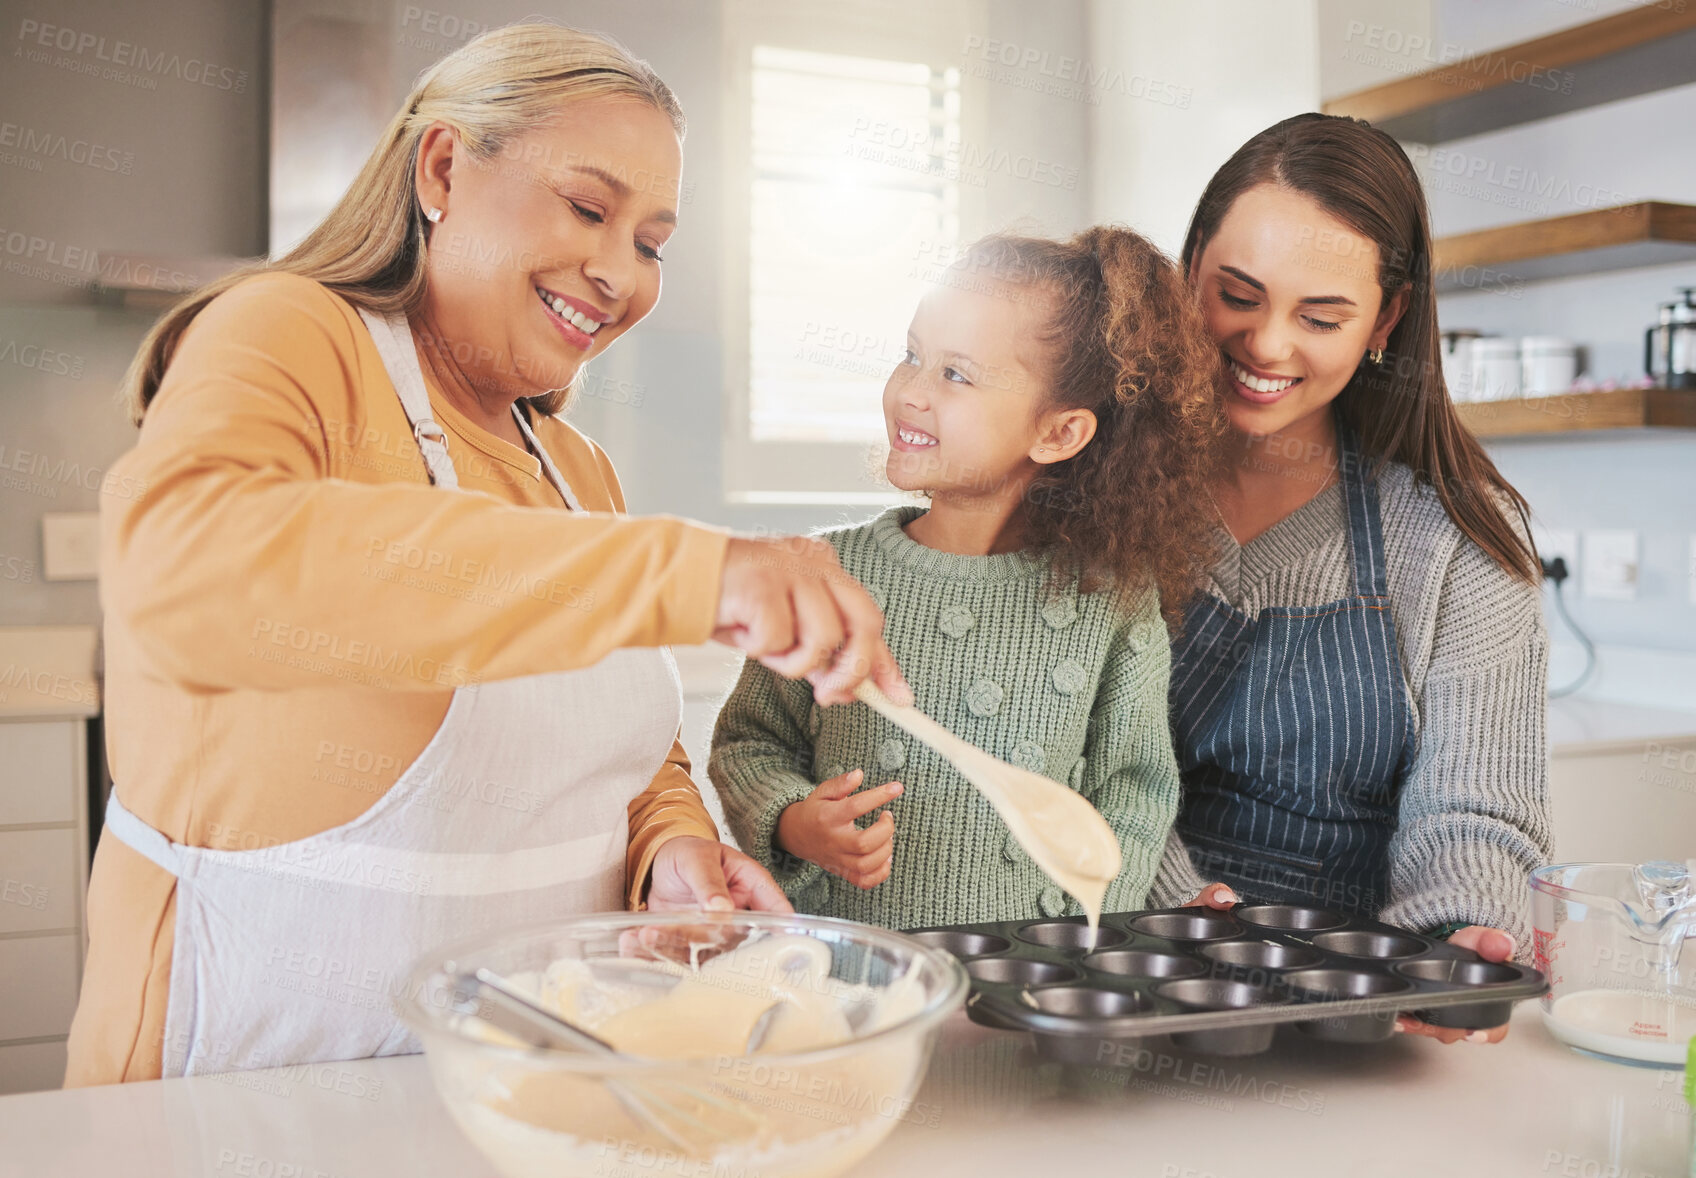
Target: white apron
{"x": 516, "y": 811}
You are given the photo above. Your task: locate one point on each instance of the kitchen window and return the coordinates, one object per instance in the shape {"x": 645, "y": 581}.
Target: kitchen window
{"x": 847, "y": 163}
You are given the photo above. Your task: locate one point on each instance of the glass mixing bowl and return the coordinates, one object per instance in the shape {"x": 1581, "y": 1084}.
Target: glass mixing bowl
{"x": 678, "y": 994}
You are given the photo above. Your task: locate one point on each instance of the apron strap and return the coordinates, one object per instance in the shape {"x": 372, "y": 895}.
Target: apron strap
{"x": 1366, "y": 536}
{"x": 548, "y": 467}
{"x": 400, "y": 357}
{"x": 140, "y": 837}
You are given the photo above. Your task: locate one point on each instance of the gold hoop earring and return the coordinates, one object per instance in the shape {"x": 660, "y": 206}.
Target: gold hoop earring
{"x": 1376, "y": 355}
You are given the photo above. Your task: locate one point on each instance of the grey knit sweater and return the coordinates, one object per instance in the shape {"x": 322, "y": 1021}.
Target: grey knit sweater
{"x": 1474, "y": 804}
{"x": 1072, "y": 687}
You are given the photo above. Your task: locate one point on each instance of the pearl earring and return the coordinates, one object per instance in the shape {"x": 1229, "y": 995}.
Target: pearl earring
{"x": 433, "y": 215}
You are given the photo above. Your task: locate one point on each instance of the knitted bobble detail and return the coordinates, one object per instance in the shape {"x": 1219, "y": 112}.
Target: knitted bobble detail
{"x": 1028, "y": 754}
{"x": 1069, "y": 677}
{"x": 1060, "y": 613}
{"x": 891, "y": 754}
{"x": 984, "y": 698}
{"x": 1052, "y": 901}
{"x": 955, "y": 621}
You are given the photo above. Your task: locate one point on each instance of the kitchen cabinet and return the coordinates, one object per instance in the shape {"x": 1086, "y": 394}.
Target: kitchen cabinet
{"x": 1622, "y": 782}
{"x": 43, "y": 875}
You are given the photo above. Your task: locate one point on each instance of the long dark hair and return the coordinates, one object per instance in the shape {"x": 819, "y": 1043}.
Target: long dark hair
{"x": 1401, "y": 407}
{"x": 1131, "y": 509}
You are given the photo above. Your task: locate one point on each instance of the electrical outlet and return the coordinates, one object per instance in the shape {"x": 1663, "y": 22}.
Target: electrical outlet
{"x": 70, "y": 545}
{"x": 1553, "y": 542}
{"x": 1610, "y": 565}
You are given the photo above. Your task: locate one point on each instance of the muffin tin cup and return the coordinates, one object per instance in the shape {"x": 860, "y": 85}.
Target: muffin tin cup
{"x": 1330, "y": 985}
{"x": 1215, "y": 994}
{"x": 1481, "y": 977}
{"x": 1221, "y": 982}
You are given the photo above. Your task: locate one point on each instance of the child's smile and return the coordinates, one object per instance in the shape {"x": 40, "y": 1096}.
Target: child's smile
{"x": 907, "y": 438}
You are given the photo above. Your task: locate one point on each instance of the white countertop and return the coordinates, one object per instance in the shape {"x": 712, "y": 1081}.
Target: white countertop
{"x": 1409, "y": 1107}
{"x": 1580, "y": 725}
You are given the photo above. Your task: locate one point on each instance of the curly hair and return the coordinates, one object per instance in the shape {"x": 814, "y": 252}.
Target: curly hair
{"x": 1131, "y": 510}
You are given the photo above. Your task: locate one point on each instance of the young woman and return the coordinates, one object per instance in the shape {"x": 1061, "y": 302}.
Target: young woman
{"x": 1358, "y": 695}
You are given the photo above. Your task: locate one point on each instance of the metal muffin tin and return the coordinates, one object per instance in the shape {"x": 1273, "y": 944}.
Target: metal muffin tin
{"x": 1221, "y": 982}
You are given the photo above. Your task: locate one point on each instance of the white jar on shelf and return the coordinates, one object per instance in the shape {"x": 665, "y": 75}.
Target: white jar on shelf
{"x": 1495, "y": 368}
{"x": 1548, "y": 365}
{"x": 1457, "y": 363}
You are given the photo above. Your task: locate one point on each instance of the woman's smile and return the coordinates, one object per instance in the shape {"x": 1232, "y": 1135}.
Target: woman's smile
{"x": 575, "y": 319}
{"x": 1256, "y": 384}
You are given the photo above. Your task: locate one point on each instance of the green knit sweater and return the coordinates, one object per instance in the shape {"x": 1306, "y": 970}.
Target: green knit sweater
{"x": 1073, "y": 687}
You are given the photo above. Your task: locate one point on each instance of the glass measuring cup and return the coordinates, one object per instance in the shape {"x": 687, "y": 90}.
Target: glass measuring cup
{"x": 1615, "y": 941}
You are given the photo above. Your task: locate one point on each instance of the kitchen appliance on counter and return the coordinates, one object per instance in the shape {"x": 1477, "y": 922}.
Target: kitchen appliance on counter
{"x": 1618, "y": 943}
{"x": 1669, "y": 347}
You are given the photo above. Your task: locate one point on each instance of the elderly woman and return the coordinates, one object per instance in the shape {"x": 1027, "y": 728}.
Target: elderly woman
{"x": 385, "y": 661}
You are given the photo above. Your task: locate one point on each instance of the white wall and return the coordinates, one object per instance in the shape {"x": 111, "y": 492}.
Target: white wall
{"x": 1365, "y": 43}
{"x": 1235, "y": 68}
{"x": 151, "y": 160}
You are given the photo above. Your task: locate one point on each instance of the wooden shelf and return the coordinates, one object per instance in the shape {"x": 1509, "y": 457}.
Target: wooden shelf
{"x": 1648, "y": 233}
{"x": 1613, "y": 409}
{"x": 1621, "y": 56}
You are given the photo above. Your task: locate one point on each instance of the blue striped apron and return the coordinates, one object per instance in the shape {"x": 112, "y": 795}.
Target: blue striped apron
{"x": 1293, "y": 732}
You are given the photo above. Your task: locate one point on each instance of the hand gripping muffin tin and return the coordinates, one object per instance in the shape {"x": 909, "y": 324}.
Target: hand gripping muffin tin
{"x": 1221, "y": 982}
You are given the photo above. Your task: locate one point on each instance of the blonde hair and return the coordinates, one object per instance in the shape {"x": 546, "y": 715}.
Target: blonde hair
{"x": 372, "y": 248}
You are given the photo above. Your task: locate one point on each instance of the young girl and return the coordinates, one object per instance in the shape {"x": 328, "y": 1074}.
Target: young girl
{"x": 1058, "y": 403}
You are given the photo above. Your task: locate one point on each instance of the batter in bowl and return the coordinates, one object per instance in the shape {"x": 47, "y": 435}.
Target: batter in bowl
{"x": 725, "y": 1111}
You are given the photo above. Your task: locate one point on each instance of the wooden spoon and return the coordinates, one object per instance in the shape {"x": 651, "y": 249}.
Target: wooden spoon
{"x": 1065, "y": 835}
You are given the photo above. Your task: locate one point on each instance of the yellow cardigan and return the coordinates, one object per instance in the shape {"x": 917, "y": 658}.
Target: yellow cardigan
{"x": 274, "y": 496}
